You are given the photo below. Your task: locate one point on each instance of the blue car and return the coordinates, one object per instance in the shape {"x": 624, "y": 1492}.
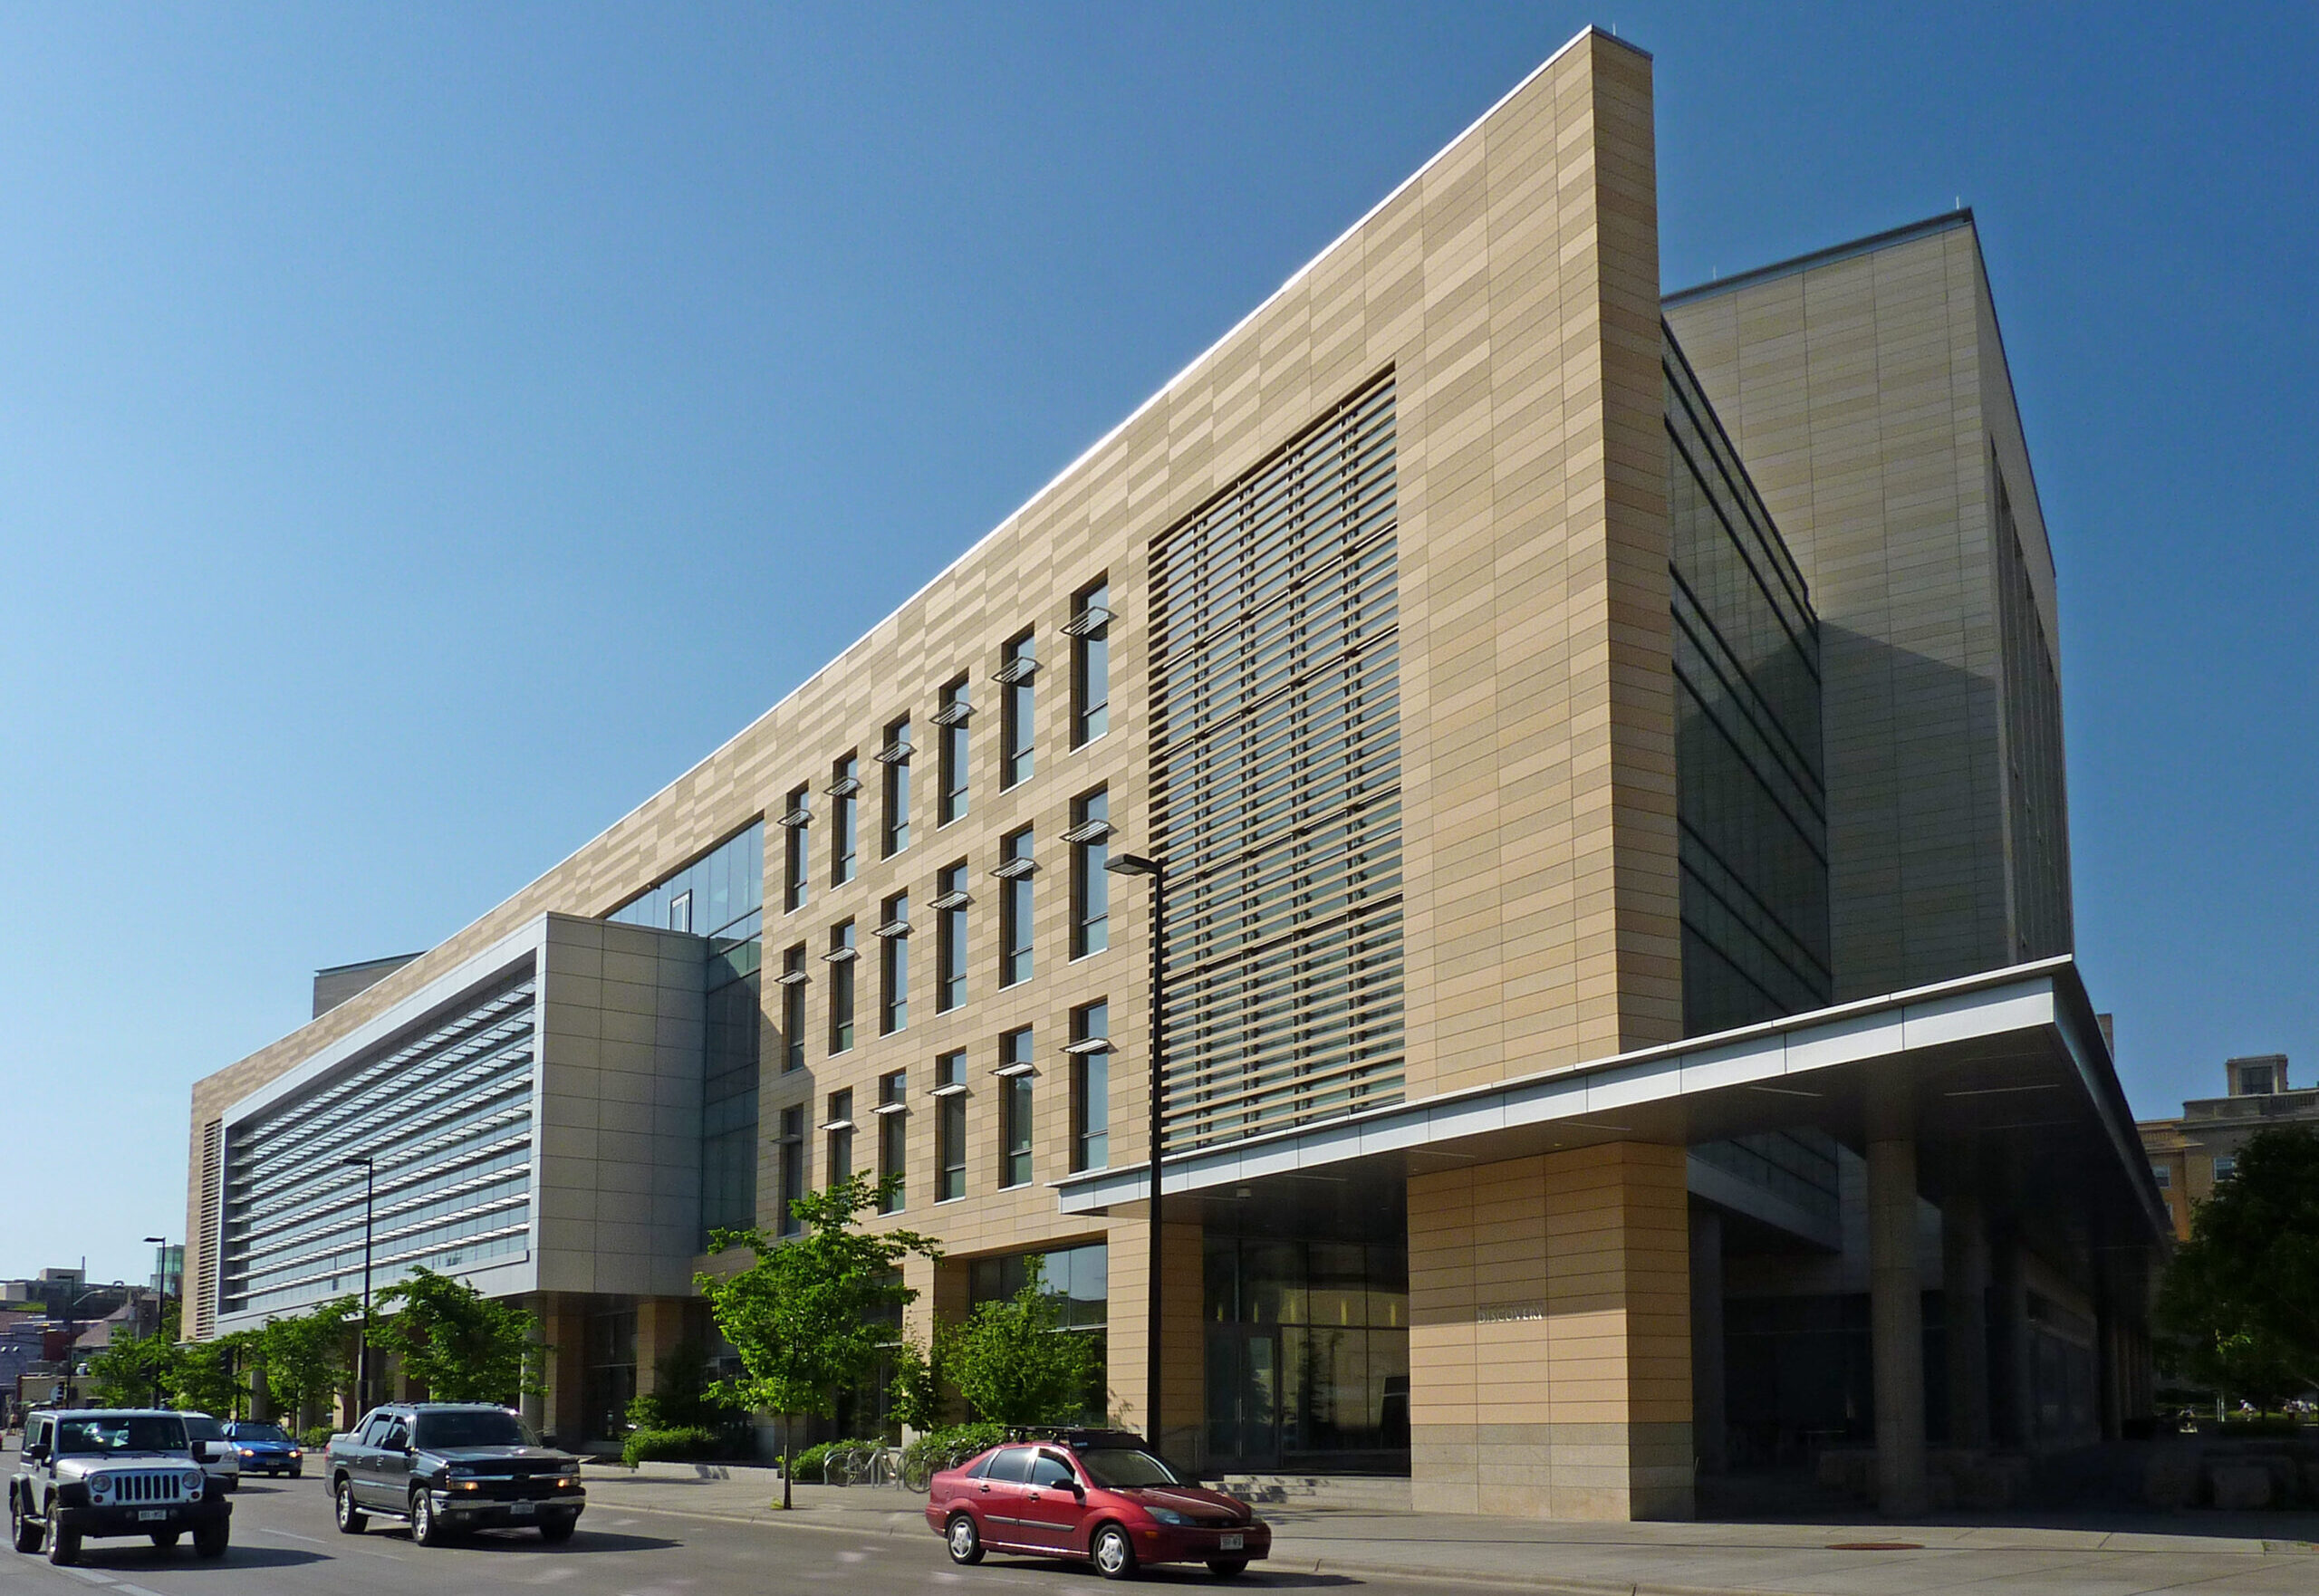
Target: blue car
{"x": 265, "y": 1448}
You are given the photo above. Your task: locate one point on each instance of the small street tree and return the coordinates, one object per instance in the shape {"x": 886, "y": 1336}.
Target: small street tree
{"x": 461, "y": 1344}
{"x": 309, "y": 1356}
{"x": 811, "y": 1317}
{"x": 2240, "y": 1300}
{"x": 1013, "y": 1362}
{"x": 210, "y": 1376}
{"x": 139, "y": 1371}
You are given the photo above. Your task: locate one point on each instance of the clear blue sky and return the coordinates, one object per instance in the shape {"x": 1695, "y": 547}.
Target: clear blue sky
{"x": 424, "y": 431}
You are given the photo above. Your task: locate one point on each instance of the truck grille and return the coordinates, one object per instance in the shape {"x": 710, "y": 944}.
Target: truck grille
{"x": 141, "y": 1486}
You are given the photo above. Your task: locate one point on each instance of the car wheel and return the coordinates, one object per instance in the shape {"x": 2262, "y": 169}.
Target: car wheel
{"x": 1114, "y": 1554}
{"x": 63, "y": 1540}
{"x": 557, "y": 1528}
{"x": 210, "y": 1540}
{"x": 964, "y": 1540}
{"x": 1225, "y": 1568}
{"x": 293, "y": 1471}
{"x": 350, "y": 1518}
{"x": 425, "y": 1528}
{"x": 165, "y": 1539}
{"x": 24, "y": 1533}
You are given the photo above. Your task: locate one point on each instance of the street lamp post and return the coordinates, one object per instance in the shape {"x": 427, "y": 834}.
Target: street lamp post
{"x": 1136, "y": 864}
{"x": 161, "y": 1302}
{"x": 362, "y": 1347}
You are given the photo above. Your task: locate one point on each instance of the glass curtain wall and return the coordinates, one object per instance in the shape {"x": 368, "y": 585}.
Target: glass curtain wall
{"x": 1751, "y": 802}
{"x": 721, "y": 897}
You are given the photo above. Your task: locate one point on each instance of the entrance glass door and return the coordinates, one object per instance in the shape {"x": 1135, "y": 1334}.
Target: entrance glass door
{"x": 1244, "y": 1396}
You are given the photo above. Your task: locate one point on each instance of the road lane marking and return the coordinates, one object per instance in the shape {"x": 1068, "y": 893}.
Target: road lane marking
{"x": 129, "y": 1590}
{"x": 90, "y": 1575}
{"x": 290, "y": 1536}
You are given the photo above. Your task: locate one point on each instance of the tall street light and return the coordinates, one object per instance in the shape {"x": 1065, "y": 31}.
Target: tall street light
{"x": 160, "y": 1307}
{"x": 362, "y": 1354}
{"x": 1136, "y": 864}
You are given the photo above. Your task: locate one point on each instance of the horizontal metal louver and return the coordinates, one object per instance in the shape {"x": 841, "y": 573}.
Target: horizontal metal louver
{"x": 1277, "y": 787}
{"x": 447, "y": 1116}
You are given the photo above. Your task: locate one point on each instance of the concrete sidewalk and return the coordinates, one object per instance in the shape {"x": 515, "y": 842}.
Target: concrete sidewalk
{"x": 2223, "y": 1553}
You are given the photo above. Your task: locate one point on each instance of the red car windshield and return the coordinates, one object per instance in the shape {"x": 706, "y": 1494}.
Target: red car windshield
{"x": 1122, "y": 1469}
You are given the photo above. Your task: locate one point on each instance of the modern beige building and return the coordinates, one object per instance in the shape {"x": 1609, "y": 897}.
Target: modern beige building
{"x": 1604, "y": 753}
{"x": 2189, "y": 1154}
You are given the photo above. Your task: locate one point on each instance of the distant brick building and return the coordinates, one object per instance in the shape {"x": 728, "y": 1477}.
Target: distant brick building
{"x": 2189, "y": 1154}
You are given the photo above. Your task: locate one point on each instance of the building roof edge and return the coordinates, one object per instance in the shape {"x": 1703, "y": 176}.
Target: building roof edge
{"x": 1906, "y": 234}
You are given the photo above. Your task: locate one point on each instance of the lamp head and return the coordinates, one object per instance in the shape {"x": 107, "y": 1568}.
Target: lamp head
{"x": 1132, "y": 864}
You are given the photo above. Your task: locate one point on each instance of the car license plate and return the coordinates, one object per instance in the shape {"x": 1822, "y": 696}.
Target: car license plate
{"x": 152, "y": 1515}
{"x": 1230, "y": 1543}
{"x": 523, "y": 1509}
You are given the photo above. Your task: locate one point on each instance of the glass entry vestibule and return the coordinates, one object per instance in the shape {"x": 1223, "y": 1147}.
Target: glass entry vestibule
{"x": 1307, "y": 1348}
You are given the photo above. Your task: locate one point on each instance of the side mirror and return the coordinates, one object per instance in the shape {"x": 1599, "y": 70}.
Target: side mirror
{"x": 37, "y": 1451}
{"x": 204, "y": 1451}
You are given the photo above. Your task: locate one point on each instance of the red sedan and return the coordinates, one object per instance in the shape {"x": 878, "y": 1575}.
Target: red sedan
{"x": 1096, "y": 1495}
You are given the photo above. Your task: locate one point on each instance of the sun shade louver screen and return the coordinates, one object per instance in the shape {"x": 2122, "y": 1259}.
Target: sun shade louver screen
{"x": 1277, "y": 787}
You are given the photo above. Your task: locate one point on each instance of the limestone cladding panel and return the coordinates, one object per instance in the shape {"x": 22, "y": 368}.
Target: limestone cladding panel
{"x": 1550, "y": 1335}
{"x": 1513, "y": 288}
{"x": 1864, "y": 393}
{"x": 618, "y": 1136}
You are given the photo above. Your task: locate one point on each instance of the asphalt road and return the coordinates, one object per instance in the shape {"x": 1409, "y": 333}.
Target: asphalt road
{"x": 285, "y": 1544}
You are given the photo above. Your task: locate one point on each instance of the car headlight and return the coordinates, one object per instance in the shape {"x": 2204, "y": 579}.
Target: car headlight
{"x": 567, "y": 1482}
{"x": 100, "y": 1485}
{"x": 247, "y": 1451}
{"x": 1166, "y": 1515}
{"x": 296, "y": 1453}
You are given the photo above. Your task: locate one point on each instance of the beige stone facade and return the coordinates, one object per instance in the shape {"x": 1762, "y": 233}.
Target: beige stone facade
{"x": 1507, "y": 294}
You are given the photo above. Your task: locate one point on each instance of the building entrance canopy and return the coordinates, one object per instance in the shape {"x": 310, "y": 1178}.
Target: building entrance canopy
{"x": 2002, "y": 1080}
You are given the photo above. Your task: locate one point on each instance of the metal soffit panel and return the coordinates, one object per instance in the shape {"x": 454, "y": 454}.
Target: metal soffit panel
{"x": 1999, "y": 1078}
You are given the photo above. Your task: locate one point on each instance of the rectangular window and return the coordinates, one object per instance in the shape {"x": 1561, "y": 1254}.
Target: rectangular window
{"x": 893, "y": 1140}
{"x": 950, "y": 1126}
{"x": 1090, "y": 664}
{"x": 950, "y": 799}
{"x": 1090, "y": 884}
{"x": 1016, "y": 1070}
{"x": 895, "y": 756}
{"x": 845, "y": 789}
{"x": 841, "y": 958}
{"x": 893, "y": 966}
{"x": 1018, "y": 664}
{"x": 792, "y": 1147}
{"x": 1014, "y": 872}
{"x": 950, "y": 937}
{"x": 796, "y": 816}
{"x": 792, "y": 1008}
{"x": 680, "y": 912}
{"x": 839, "y": 1128}
{"x": 2161, "y": 1173}
{"x": 2225, "y": 1167}
{"x": 1091, "y": 1087}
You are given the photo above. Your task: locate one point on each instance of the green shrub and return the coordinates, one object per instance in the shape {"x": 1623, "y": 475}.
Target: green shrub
{"x": 684, "y": 1443}
{"x": 938, "y": 1446}
{"x": 808, "y": 1465}
{"x": 318, "y": 1436}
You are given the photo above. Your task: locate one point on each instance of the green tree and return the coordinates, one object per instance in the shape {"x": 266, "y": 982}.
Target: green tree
{"x": 461, "y": 1344}
{"x": 2239, "y": 1305}
{"x": 917, "y": 1385}
{"x": 209, "y": 1375}
{"x": 138, "y": 1372}
{"x": 811, "y": 1316}
{"x": 683, "y": 1396}
{"x": 1012, "y": 1361}
{"x": 309, "y": 1357}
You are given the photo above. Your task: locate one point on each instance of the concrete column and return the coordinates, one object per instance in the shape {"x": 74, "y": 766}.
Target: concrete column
{"x": 1550, "y": 1336}
{"x": 661, "y": 1326}
{"x": 1182, "y": 1428}
{"x": 1965, "y": 1280}
{"x": 1895, "y": 1319}
{"x": 1707, "y": 1419}
{"x": 563, "y": 1413}
{"x": 2015, "y": 1379}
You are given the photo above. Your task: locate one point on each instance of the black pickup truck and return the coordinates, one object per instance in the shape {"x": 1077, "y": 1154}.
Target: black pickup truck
{"x": 449, "y": 1467}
